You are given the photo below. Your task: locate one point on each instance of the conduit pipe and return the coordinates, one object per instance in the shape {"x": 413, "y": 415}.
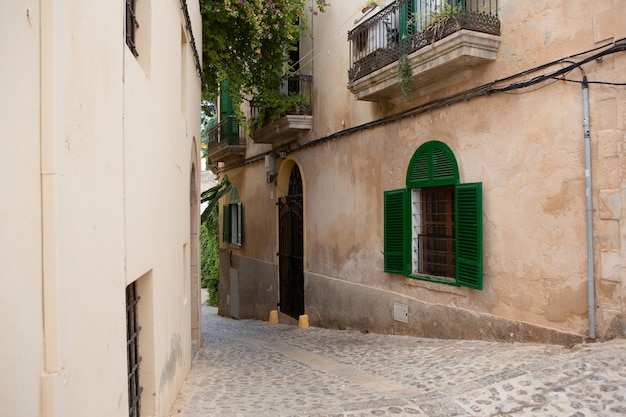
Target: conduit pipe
{"x": 51, "y": 166}
{"x": 590, "y": 270}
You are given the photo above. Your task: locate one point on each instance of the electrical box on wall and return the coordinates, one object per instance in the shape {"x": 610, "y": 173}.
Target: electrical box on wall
{"x": 269, "y": 163}
{"x": 401, "y": 312}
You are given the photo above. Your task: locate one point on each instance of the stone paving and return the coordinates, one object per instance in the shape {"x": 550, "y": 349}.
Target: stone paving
{"x": 250, "y": 368}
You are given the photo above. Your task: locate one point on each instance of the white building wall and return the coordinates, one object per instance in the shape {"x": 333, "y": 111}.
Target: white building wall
{"x": 21, "y": 338}
{"x": 97, "y": 162}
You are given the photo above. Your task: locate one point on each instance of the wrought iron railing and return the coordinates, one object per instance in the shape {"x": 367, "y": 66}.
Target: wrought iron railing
{"x": 405, "y": 26}
{"x": 299, "y": 89}
{"x": 225, "y": 133}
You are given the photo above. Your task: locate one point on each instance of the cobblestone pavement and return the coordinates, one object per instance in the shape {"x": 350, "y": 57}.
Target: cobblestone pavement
{"x": 253, "y": 369}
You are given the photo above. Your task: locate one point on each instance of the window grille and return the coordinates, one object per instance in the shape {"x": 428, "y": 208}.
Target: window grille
{"x": 436, "y": 242}
{"x": 131, "y": 26}
{"x": 132, "y": 350}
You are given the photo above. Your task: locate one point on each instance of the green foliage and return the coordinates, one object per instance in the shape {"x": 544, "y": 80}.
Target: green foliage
{"x": 440, "y": 16}
{"x": 444, "y": 12}
{"x": 405, "y": 74}
{"x": 273, "y": 105}
{"x": 248, "y": 41}
{"x": 209, "y": 257}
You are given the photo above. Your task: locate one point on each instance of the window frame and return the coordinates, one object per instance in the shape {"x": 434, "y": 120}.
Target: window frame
{"x": 132, "y": 351}
{"x": 422, "y": 235}
{"x": 433, "y": 165}
{"x": 232, "y": 224}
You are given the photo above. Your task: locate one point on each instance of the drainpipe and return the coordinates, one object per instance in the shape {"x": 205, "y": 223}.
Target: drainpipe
{"x": 51, "y": 166}
{"x": 591, "y": 284}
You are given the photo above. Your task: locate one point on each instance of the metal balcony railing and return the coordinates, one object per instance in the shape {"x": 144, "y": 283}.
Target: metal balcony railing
{"x": 405, "y": 26}
{"x": 299, "y": 87}
{"x": 225, "y": 133}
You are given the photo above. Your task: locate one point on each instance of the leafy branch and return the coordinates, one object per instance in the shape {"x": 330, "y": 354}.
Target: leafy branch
{"x": 248, "y": 42}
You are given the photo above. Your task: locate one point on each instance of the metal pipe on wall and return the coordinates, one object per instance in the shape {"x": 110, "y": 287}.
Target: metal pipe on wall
{"x": 590, "y": 269}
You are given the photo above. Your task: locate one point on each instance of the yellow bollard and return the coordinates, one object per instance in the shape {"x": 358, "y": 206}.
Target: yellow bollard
{"x": 303, "y": 321}
{"x": 274, "y": 317}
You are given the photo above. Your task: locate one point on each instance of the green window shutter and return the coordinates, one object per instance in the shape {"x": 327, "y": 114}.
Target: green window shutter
{"x": 226, "y": 224}
{"x": 230, "y": 130}
{"x": 469, "y": 235}
{"x": 407, "y": 23}
{"x": 460, "y": 5}
{"x": 240, "y": 224}
{"x": 226, "y": 101}
{"x": 233, "y": 131}
{"x": 433, "y": 164}
{"x": 443, "y": 164}
{"x": 420, "y": 168}
{"x": 396, "y": 225}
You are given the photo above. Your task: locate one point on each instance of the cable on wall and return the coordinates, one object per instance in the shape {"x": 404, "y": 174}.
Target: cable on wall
{"x": 480, "y": 91}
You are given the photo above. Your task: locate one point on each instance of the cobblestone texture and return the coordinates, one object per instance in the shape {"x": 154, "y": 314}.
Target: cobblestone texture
{"x": 253, "y": 369}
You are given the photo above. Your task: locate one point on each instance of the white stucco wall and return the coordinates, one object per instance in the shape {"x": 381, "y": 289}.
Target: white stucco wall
{"x": 21, "y": 338}
{"x": 97, "y": 163}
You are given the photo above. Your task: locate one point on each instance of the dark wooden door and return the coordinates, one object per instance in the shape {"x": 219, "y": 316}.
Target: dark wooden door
{"x": 291, "y": 248}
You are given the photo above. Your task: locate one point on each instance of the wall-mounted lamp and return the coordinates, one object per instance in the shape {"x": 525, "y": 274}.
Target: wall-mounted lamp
{"x": 283, "y": 154}
{"x": 269, "y": 168}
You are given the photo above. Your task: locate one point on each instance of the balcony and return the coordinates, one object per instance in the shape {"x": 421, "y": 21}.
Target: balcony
{"x": 439, "y": 38}
{"x": 287, "y": 119}
{"x": 225, "y": 144}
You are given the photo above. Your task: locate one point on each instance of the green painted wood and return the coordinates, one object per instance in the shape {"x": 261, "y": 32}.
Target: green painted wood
{"x": 240, "y": 224}
{"x": 226, "y": 223}
{"x": 433, "y": 164}
{"x": 469, "y": 235}
{"x": 396, "y": 228}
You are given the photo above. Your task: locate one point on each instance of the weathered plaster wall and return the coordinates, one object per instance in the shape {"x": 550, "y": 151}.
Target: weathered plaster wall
{"x": 525, "y": 147}
{"x": 527, "y": 261}
{"x": 335, "y": 303}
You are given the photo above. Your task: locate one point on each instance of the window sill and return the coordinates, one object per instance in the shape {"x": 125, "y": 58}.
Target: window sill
{"x": 435, "y": 285}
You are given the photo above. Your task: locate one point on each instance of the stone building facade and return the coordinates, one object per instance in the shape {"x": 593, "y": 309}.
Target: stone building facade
{"x": 489, "y": 234}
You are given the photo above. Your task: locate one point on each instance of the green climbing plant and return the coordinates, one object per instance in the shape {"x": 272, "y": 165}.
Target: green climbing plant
{"x": 248, "y": 43}
{"x": 209, "y": 257}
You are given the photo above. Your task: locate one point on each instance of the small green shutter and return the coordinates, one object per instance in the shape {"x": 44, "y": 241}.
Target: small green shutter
{"x": 432, "y": 165}
{"x": 226, "y": 224}
{"x": 469, "y": 235}
{"x": 460, "y": 5}
{"x": 419, "y": 168}
{"x": 443, "y": 164}
{"x": 239, "y": 224}
{"x": 395, "y": 233}
{"x": 226, "y": 101}
{"x": 407, "y": 23}
{"x": 230, "y": 130}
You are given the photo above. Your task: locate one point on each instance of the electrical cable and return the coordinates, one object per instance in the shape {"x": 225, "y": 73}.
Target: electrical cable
{"x": 480, "y": 91}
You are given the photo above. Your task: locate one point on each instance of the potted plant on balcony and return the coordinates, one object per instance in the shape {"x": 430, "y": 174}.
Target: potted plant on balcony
{"x": 369, "y": 5}
{"x": 273, "y": 105}
{"x": 442, "y": 20}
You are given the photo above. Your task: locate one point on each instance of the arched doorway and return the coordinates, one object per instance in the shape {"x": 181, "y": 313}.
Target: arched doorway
{"x": 291, "y": 247}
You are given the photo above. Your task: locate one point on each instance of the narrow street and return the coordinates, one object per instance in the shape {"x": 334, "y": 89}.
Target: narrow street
{"x": 251, "y": 368}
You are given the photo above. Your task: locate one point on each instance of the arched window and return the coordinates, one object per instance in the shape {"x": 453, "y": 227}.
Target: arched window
{"x": 433, "y": 227}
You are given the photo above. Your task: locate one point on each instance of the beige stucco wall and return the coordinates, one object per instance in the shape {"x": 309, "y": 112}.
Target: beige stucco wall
{"x": 99, "y": 155}
{"x": 525, "y": 147}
